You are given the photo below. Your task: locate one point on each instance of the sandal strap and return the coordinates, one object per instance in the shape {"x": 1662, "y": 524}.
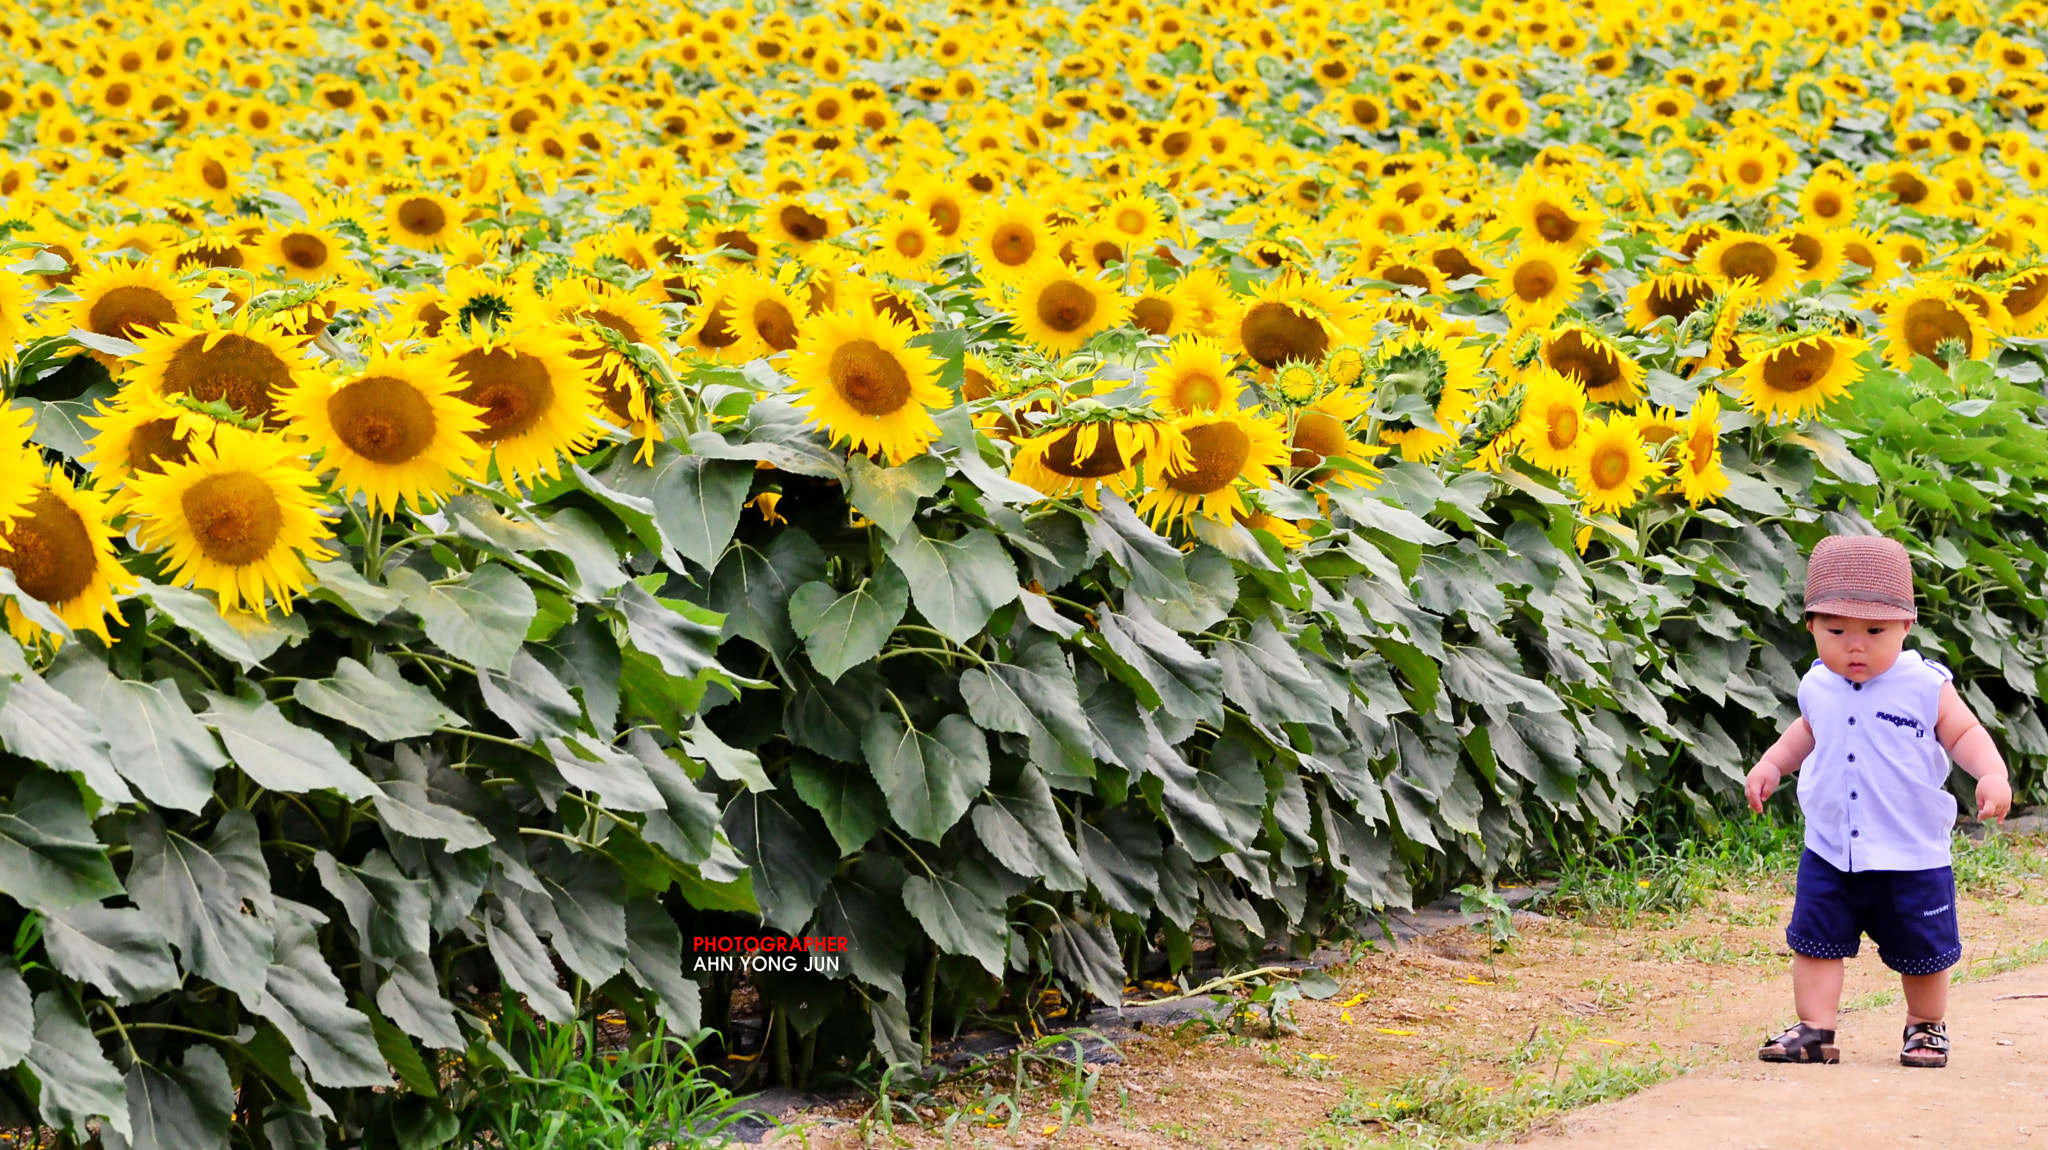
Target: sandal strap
{"x": 1927, "y": 1036}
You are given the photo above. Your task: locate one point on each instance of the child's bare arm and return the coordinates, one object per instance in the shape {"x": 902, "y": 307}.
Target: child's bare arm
{"x": 1971, "y": 746}
{"x": 1784, "y": 757}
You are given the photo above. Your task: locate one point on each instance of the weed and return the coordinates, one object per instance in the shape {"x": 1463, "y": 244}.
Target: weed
{"x": 1451, "y": 1110}
{"x": 1999, "y": 864}
{"x": 1499, "y": 920}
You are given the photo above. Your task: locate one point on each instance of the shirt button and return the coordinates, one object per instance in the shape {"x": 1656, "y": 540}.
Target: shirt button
{"x": 1858, "y": 686}
{"x": 1855, "y": 834}
{"x": 1852, "y": 758}
{"x": 1852, "y": 720}
{"x": 1852, "y": 794}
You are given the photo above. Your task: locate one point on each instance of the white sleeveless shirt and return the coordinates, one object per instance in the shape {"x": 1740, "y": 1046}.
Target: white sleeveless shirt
{"x": 1873, "y": 791}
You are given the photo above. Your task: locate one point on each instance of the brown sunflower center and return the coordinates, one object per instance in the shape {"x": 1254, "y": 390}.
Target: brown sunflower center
{"x": 975, "y": 384}
{"x": 1929, "y": 323}
{"x": 774, "y": 324}
{"x": 514, "y": 390}
{"x": 1572, "y": 355}
{"x": 153, "y": 444}
{"x": 126, "y": 312}
{"x": 868, "y": 378}
{"x": 1407, "y": 275}
{"x": 1554, "y": 223}
{"x": 1798, "y": 367}
{"x": 1907, "y": 188}
{"x": 237, "y": 370}
{"x": 736, "y": 240}
{"x": 1217, "y": 453}
{"x": 802, "y": 226}
{"x": 382, "y": 419}
{"x": 1676, "y": 299}
{"x": 1153, "y": 314}
{"x": 946, "y": 215}
{"x": 1274, "y": 333}
{"x": 302, "y": 251}
{"x": 1535, "y": 280}
{"x": 1700, "y": 447}
{"x": 1065, "y": 306}
{"x": 910, "y": 243}
{"x": 1609, "y": 466}
{"x": 1317, "y": 434}
{"x": 1564, "y": 427}
{"x": 209, "y": 254}
{"x": 234, "y": 516}
{"x": 215, "y": 175}
{"x": 2024, "y": 297}
{"x": 1752, "y": 258}
{"x": 1453, "y": 263}
{"x": 1750, "y": 171}
{"x": 1827, "y": 205}
{"x": 1806, "y": 250}
{"x": 1062, "y": 455}
{"x": 50, "y": 551}
{"x": 1131, "y": 222}
{"x": 717, "y": 331}
{"x": 421, "y": 216}
{"x": 1013, "y": 244}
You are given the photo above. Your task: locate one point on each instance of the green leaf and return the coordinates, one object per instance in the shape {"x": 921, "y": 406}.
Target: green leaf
{"x": 584, "y": 913}
{"x": 654, "y": 959}
{"x": 1033, "y": 694}
{"x": 1376, "y": 514}
{"x": 196, "y": 903}
{"x": 753, "y": 588}
{"x": 1754, "y": 495}
{"x": 957, "y": 583}
{"x": 695, "y": 499}
{"x": 77, "y": 1081}
{"x": 117, "y": 950}
{"x": 247, "y": 639}
{"x": 790, "y": 862}
{"x": 189, "y": 1108}
{"x": 1021, "y": 827}
{"x": 595, "y": 766}
{"x": 49, "y": 857}
{"x": 864, "y": 906}
{"x": 1156, "y": 568}
{"x": 155, "y": 741}
{"x": 1084, "y": 949}
{"x": 1268, "y": 679}
{"x": 481, "y": 620}
{"x": 962, "y": 912}
{"x": 376, "y": 700}
{"x": 682, "y": 637}
{"x": 889, "y": 495}
{"x": 844, "y": 796}
{"x": 727, "y": 762}
{"x": 530, "y": 698}
{"x": 340, "y": 583}
{"x": 687, "y": 828}
{"x": 17, "y": 1018}
{"x": 302, "y": 998}
{"x": 577, "y": 536}
{"x": 399, "y": 1052}
{"x": 1479, "y": 675}
{"x": 1186, "y": 682}
{"x": 389, "y": 912}
{"x": 36, "y": 722}
{"x": 409, "y": 804}
{"x": 828, "y": 717}
{"x": 412, "y": 1000}
{"x": 279, "y": 755}
{"x": 844, "y": 631}
{"x": 929, "y": 780}
{"x": 1121, "y": 857}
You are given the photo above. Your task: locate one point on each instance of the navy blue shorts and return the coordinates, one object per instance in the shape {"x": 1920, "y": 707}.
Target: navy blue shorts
{"x": 1909, "y": 914}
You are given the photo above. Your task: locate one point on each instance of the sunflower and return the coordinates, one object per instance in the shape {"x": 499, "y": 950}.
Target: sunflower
{"x": 1928, "y": 320}
{"x": 1291, "y": 318}
{"x": 61, "y": 551}
{"x": 15, "y": 300}
{"x": 2026, "y": 300}
{"x": 1134, "y": 217}
{"x": 1226, "y": 448}
{"x": 1815, "y": 254}
{"x": 306, "y": 251}
{"x": 240, "y": 519}
{"x": 709, "y": 328}
{"x": 1551, "y": 429}
{"x": 1829, "y": 199}
{"x": 140, "y": 432}
{"x": 1540, "y": 281}
{"x": 862, "y": 382}
{"x": 1289, "y": 535}
{"x": 1608, "y": 373}
{"x": 1766, "y": 261}
{"x": 1438, "y": 371}
{"x": 1059, "y": 309}
{"x": 800, "y": 222}
{"x": 1700, "y": 477}
{"x": 1192, "y": 374}
{"x": 1795, "y": 378}
{"x": 1667, "y": 295}
{"x": 393, "y": 430}
{"x": 1864, "y": 251}
{"x": 422, "y": 219}
{"x": 1550, "y": 215}
{"x": 1007, "y": 239}
{"x": 1656, "y": 425}
{"x": 1087, "y": 447}
{"x": 905, "y": 243}
{"x": 1161, "y": 311}
{"x": 765, "y": 315}
{"x": 1614, "y": 467}
{"x": 247, "y": 366}
{"x": 1322, "y": 432}
{"x": 538, "y": 400}
{"x": 121, "y": 300}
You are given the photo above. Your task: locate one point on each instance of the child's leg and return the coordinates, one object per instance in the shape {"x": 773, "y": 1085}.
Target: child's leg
{"x": 1817, "y": 990}
{"x": 1926, "y": 996}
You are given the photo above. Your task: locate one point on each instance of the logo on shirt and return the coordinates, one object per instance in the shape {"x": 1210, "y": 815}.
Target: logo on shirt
{"x": 1919, "y": 730}
{"x": 1937, "y": 910}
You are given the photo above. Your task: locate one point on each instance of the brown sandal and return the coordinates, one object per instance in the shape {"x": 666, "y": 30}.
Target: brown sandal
{"x": 1802, "y": 1043}
{"x": 1926, "y": 1045}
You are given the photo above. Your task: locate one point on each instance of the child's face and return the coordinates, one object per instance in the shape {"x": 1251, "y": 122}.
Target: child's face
{"x": 1858, "y": 649}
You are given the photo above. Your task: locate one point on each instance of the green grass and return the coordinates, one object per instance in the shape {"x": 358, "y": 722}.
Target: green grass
{"x": 2000, "y": 864}
{"x": 1625, "y": 878}
{"x": 1449, "y": 1110}
{"x": 557, "y": 1088}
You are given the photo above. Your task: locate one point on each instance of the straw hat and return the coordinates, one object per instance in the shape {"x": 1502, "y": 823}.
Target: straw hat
{"x": 1860, "y": 577}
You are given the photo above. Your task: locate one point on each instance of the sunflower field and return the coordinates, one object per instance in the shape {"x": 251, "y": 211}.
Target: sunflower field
{"x": 492, "y": 489}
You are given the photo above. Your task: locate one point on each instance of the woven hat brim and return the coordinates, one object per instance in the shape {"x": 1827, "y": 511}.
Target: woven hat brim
{"x": 1862, "y": 609}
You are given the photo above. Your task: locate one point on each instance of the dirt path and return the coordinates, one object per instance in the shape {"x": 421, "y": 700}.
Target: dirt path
{"x": 1994, "y": 1092}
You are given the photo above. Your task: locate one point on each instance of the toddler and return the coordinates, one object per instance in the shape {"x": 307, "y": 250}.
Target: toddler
{"x": 1877, "y": 726}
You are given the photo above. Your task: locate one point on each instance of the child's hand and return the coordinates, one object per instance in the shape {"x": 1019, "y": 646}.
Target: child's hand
{"x": 1762, "y": 782}
{"x": 1994, "y": 797}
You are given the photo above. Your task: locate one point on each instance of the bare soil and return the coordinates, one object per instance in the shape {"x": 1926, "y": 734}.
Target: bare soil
{"x": 1700, "y": 989}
